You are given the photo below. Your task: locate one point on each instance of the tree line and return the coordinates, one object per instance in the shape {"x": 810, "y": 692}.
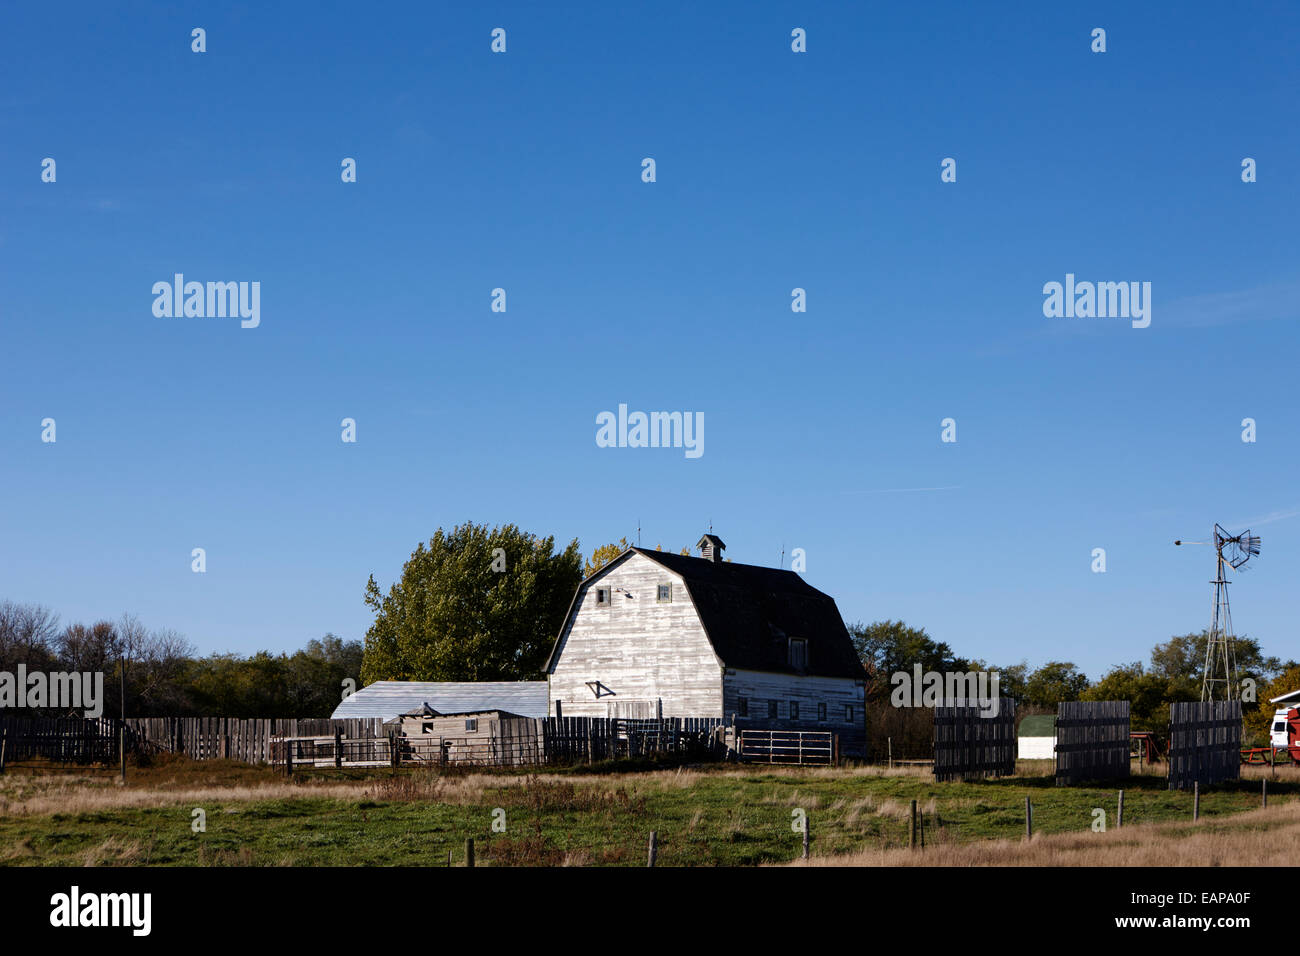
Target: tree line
{"x": 166, "y": 677}
{"x": 1172, "y": 673}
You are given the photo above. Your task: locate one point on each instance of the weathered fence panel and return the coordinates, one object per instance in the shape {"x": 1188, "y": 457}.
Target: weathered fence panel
{"x": 73, "y": 740}
{"x": 970, "y": 742}
{"x": 1204, "y": 743}
{"x": 208, "y": 738}
{"x": 1091, "y": 740}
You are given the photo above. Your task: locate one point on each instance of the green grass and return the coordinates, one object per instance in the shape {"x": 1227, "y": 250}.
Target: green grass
{"x": 722, "y": 817}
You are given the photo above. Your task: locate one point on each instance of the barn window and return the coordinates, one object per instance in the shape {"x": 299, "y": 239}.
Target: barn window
{"x": 665, "y": 593}
{"x": 602, "y": 597}
{"x": 471, "y": 723}
{"x": 744, "y": 707}
{"x": 427, "y": 727}
{"x": 771, "y": 709}
{"x": 798, "y": 653}
{"x": 794, "y": 710}
{"x": 821, "y": 711}
{"x": 848, "y": 712}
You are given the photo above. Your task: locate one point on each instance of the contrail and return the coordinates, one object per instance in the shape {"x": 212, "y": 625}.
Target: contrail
{"x": 891, "y": 491}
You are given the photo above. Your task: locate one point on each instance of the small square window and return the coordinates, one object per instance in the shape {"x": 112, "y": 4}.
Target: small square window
{"x": 665, "y": 593}
{"x": 744, "y": 707}
{"x": 471, "y": 723}
{"x": 821, "y": 712}
{"x": 771, "y": 709}
{"x": 794, "y": 710}
{"x": 602, "y": 597}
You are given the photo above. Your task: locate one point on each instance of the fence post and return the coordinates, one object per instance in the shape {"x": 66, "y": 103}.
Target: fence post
{"x": 911, "y": 829}
{"x": 121, "y": 745}
{"x": 806, "y": 838}
{"x": 393, "y": 755}
{"x": 1029, "y": 820}
{"x": 1196, "y": 800}
{"x": 654, "y": 848}
{"x": 1263, "y": 790}
{"x": 288, "y": 757}
{"x": 469, "y": 852}
{"x": 891, "y": 753}
{"x": 4, "y": 739}
{"x": 338, "y": 749}
{"x": 1119, "y": 817}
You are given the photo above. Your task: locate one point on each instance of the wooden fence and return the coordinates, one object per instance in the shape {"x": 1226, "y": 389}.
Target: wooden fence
{"x": 208, "y": 738}
{"x": 1091, "y": 741}
{"x": 72, "y": 740}
{"x": 509, "y": 742}
{"x": 1204, "y": 743}
{"x": 970, "y": 743}
{"x": 818, "y": 747}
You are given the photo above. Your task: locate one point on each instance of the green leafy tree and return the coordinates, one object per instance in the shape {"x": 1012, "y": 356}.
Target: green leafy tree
{"x": 1147, "y": 692}
{"x": 1054, "y": 682}
{"x": 461, "y": 612}
{"x": 888, "y": 647}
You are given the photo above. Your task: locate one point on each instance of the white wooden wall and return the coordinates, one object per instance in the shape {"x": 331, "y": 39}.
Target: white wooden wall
{"x": 760, "y": 687}
{"x": 638, "y": 648}
{"x": 1036, "y": 748}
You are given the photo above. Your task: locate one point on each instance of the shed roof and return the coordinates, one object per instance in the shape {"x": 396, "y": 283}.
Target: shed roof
{"x": 393, "y": 698}
{"x": 1037, "y": 725}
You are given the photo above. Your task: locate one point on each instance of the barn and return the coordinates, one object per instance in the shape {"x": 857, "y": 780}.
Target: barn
{"x": 653, "y": 633}
{"x": 1036, "y": 737}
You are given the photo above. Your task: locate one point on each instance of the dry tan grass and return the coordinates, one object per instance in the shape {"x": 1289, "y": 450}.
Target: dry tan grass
{"x": 1264, "y": 837}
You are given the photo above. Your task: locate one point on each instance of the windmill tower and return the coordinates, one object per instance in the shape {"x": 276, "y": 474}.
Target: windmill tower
{"x": 1219, "y": 677}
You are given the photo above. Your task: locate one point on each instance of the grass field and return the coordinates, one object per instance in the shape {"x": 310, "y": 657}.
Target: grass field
{"x": 706, "y": 815}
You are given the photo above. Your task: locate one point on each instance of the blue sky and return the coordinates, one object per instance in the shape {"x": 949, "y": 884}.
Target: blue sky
{"x": 775, "y": 170}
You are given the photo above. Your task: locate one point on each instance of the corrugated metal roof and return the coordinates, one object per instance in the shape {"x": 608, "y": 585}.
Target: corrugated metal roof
{"x": 390, "y": 698}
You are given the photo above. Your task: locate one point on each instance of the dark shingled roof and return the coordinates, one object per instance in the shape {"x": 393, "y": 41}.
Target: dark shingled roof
{"x": 750, "y": 612}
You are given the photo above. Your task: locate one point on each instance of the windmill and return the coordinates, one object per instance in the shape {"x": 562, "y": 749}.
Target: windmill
{"x": 1220, "y": 657}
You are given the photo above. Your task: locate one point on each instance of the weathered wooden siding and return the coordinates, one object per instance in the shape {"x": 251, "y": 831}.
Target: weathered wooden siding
{"x": 640, "y": 649}
{"x": 759, "y": 687}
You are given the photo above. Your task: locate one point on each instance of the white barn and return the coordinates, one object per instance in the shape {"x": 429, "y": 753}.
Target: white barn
{"x": 653, "y": 633}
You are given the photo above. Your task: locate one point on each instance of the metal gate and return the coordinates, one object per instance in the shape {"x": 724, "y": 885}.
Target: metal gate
{"x": 817, "y": 747}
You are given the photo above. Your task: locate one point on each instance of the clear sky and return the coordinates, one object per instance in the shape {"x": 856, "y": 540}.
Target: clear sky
{"x": 774, "y": 170}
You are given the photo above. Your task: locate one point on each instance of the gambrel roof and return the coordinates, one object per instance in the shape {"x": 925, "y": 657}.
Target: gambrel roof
{"x": 749, "y": 613}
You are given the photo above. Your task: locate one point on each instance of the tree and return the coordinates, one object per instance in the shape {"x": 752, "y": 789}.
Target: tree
{"x": 1147, "y": 692}
{"x": 602, "y": 555}
{"x": 475, "y": 604}
{"x": 606, "y": 553}
{"x": 1054, "y": 682}
{"x": 889, "y": 647}
{"x": 1182, "y": 660}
